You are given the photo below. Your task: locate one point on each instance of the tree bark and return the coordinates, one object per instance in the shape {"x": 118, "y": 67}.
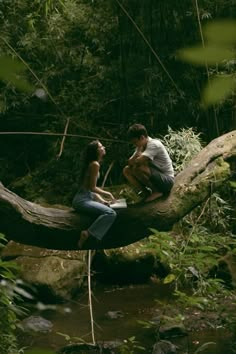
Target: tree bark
{"x": 59, "y": 229}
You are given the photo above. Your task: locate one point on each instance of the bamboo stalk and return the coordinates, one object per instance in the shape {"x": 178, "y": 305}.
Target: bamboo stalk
{"x": 90, "y": 297}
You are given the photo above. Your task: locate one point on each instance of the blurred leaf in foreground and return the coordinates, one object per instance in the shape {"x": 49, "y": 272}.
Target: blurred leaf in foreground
{"x": 11, "y": 71}
{"x": 208, "y": 55}
{"x": 221, "y": 32}
{"x": 218, "y": 89}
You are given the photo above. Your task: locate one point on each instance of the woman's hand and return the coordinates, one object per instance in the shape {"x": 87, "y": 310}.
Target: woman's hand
{"x": 109, "y": 196}
{"x": 101, "y": 200}
{"x": 98, "y": 198}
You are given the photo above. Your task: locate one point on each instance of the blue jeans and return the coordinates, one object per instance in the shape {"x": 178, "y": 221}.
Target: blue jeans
{"x": 84, "y": 202}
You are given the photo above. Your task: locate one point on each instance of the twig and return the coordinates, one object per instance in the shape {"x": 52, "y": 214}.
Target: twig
{"x": 63, "y": 134}
{"x": 107, "y": 173}
{"x": 63, "y": 139}
{"x": 194, "y": 226}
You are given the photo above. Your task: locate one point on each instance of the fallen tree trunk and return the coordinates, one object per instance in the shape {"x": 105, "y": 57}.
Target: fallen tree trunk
{"x": 53, "y": 228}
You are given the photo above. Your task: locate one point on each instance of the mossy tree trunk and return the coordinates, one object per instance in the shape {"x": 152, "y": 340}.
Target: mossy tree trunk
{"x": 53, "y": 228}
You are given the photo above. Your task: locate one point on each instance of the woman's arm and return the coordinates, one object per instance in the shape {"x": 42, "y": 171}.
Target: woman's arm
{"x": 93, "y": 176}
{"x": 100, "y": 199}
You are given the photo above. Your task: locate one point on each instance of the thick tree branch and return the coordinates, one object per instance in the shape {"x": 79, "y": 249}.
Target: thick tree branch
{"x": 30, "y": 223}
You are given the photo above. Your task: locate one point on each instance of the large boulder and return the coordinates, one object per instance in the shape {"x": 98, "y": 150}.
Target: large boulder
{"x": 56, "y": 275}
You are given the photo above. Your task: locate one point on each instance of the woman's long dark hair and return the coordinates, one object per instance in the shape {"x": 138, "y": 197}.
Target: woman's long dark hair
{"x": 89, "y": 154}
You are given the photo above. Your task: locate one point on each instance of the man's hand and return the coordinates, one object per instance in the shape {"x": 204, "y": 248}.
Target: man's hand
{"x": 133, "y": 158}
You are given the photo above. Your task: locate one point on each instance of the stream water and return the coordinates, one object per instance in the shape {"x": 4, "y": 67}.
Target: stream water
{"x": 134, "y": 303}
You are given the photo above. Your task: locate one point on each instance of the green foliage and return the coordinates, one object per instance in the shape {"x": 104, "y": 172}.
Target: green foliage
{"x": 94, "y": 64}
{"x": 182, "y": 146}
{"x": 58, "y": 40}
{"x": 70, "y": 339}
{"x": 191, "y": 257}
{"x": 8, "y": 309}
{"x": 130, "y": 346}
{"x": 214, "y": 216}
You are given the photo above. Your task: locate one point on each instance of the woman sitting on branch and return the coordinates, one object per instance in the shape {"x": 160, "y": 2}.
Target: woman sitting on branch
{"x": 92, "y": 199}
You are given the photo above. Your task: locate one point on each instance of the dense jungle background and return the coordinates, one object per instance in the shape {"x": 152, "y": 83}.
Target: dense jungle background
{"x": 75, "y": 70}
{"x": 95, "y": 67}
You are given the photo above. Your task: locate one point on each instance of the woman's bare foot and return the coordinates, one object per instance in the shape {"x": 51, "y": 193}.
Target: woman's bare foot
{"x": 153, "y": 196}
{"x": 84, "y": 235}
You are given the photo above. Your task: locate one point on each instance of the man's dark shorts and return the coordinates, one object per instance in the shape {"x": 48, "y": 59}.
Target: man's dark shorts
{"x": 163, "y": 182}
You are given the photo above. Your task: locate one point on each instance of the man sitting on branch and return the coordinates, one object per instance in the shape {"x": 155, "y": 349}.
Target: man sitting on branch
{"x": 149, "y": 170}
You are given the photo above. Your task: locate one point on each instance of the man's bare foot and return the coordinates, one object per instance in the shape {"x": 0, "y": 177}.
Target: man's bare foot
{"x": 84, "y": 235}
{"x": 153, "y": 196}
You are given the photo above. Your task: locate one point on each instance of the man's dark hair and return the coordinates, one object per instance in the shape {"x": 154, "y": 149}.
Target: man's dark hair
{"x": 135, "y": 131}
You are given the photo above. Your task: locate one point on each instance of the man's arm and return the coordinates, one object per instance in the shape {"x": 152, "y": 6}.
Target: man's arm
{"x": 134, "y": 157}
{"x": 139, "y": 160}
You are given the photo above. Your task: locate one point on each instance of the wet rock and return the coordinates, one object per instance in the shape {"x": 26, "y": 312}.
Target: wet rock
{"x": 36, "y": 324}
{"x": 226, "y": 270}
{"x": 114, "y": 314}
{"x": 125, "y": 265}
{"x": 57, "y": 275}
{"x": 164, "y": 347}
{"x": 156, "y": 320}
{"x": 101, "y": 348}
{"x": 172, "y": 330}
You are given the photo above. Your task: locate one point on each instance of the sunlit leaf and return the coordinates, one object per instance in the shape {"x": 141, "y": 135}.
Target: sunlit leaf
{"x": 169, "y": 278}
{"x": 11, "y": 71}
{"x": 218, "y": 89}
{"x": 210, "y": 55}
{"x": 131, "y": 338}
{"x": 223, "y": 32}
{"x": 193, "y": 271}
{"x": 2, "y": 106}
{"x": 232, "y": 184}
{"x": 165, "y": 253}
